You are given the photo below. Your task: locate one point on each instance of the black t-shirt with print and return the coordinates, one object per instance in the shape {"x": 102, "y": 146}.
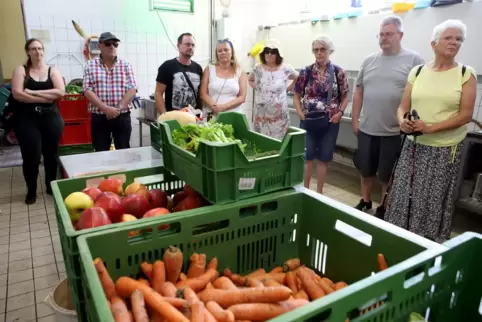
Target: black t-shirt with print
{"x": 178, "y": 93}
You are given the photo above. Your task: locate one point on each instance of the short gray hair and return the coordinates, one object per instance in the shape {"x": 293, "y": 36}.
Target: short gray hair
{"x": 393, "y": 20}
{"x": 439, "y": 29}
{"x": 325, "y": 40}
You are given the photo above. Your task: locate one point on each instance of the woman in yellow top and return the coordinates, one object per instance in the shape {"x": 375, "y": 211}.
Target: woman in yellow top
{"x": 443, "y": 93}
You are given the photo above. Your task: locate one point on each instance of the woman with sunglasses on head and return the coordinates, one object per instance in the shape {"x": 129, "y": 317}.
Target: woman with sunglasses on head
{"x": 37, "y": 122}
{"x": 321, "y": 96}
{"x": 223, "y": 85}
{"x": 271, "y": 79}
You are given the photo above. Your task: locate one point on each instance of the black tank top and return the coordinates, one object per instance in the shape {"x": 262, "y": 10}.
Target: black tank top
{"x": 38, "y": 86}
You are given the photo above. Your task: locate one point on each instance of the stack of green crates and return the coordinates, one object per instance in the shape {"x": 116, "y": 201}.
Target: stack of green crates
{"x": 261, "y": 232}
{"x": 222, "y": 173}
{"x": 159, "y": 178}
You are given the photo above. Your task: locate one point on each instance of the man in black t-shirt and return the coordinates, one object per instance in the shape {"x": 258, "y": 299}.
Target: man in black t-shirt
{"x": 178, "y": 79}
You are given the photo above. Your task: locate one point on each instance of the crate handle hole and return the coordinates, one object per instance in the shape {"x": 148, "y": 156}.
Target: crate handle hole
{"x": 354, "y": 233}
{"x": 211, "y": 227}
{"x": 414, "y": 277}
{"x": 269, "y": 207}
{"x": 248, "y": 211}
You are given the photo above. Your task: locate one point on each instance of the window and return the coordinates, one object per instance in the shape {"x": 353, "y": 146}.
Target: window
{"x": 173, "y": 5}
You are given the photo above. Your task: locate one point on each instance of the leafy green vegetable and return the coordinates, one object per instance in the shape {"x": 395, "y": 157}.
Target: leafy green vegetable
{"x": 189, "y": 136}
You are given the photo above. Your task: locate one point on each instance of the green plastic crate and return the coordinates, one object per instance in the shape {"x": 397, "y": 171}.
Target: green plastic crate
{"x": 4, "y": 95}
{"x": 75, "y": 149}
{"x": 441, "y": 285}
{"x": 222, "y": 173}
{"x": 155, "y": 136}
{"x": 157, "y": 177}
{"x": 263, "y": 232}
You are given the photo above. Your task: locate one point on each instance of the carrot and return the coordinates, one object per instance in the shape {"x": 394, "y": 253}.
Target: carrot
{"x": 258, "y": 272}
{"x": 105, "y": 279}
{"x": 167, "y": 289}
{"x": 270, "y": 282}
{"x": 312, "y": 288}
{"x": 226, "y": 298}
{"x": 264, "y": 311}
{"x": 278, "y": 277}
{"x": 382, "y": 263}
{"x": 328, "y": 282}
{"x": 251, "y": 282}
{"x": 326, "y": 287}
{"x": 158, "y": 275}
{"x": 177, "y": 303}
{"x": 277, "y": 269}
{"x": 301, "y": 295}
{"x": 339, "y": 285}
{"x": 119, "y": 310}
{"x": 298, "y": 282}
{"x": 131, "y": 316}
{"x": 144, "y": 281}
{"x": 213, "y": 263}
{"x": 291, "y": 281}
{"x": 147, "y": 270}
{"x": 208, "y": 317}
{"x": 189, "y": 295}
{"x": 173, "y": 262}
{"x": 237, "y": 279}
{"x": 125, "y": 286}
{"x": 315, "y": 276}
{"x": 224, "y": 283}
{"x": 182, "y": 277}
{"x": 198, "y": 265}
{"x": 139, "y": 307}
{"x": 197, "y": 310}
{"x": 200, "y": 282}
{"x": 291, "y": 264}
{"x": 209, "y": 286}
{"x": 219, "y": 313}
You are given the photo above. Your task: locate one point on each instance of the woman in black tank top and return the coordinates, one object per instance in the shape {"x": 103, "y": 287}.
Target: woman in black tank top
{"x": 37, "y": 121}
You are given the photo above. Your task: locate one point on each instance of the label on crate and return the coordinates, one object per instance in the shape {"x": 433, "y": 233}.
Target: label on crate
{"x": 246, "y": 183}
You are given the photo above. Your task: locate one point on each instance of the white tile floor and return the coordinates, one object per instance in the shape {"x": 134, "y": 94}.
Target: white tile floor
{"x": 31, "y": 261}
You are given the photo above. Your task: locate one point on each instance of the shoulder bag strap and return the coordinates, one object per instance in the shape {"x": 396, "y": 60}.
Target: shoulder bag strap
{"x": 191, "y": 86}
{"x": 330, "y": 82}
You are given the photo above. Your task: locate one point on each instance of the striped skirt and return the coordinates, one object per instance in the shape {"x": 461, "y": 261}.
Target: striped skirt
{"x": 433, "y": 188}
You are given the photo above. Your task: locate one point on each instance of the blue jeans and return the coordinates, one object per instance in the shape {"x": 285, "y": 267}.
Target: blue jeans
{"x": 321, "y": 146}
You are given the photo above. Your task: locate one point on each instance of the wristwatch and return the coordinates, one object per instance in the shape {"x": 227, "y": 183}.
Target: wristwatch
{"x": 342, "y": 113}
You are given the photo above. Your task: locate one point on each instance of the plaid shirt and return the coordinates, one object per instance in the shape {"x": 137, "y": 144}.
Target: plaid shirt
{"x": 109, "y": 85}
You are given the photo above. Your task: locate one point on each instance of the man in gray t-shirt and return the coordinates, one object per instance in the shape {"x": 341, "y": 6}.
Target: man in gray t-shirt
{"x": 379, "y": 89}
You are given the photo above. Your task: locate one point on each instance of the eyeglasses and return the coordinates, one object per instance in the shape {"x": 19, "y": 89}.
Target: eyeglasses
{"x": 386, "y": 34}
{"x": 321, "y": 50}
{"x": 271, "y": 51}
{"x": 449, "y": 39}
{"x": 109, "y": 44}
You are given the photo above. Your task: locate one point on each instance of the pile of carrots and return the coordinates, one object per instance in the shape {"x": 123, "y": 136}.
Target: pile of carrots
{"x": 200, "y": 294}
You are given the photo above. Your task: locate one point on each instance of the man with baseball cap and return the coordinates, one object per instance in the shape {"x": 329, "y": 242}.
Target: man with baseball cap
{"x": 110, "y": 86}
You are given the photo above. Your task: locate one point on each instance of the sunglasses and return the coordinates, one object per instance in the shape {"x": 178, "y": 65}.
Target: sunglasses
{"x": 109, "y": 44}
{"x": 271, "y": 51}
{"x": 225, "y": 40}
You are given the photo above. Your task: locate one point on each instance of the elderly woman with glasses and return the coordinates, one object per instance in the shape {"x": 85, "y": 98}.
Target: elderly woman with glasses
{"x": 271, "y": 80}
{"x": 442, "y": 93}
{"x": 321, "y": 96}
{"x": 223, "y": 85}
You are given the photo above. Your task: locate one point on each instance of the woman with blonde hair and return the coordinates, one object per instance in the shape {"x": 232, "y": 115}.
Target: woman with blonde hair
{"x": 223, "y": 85}
{"x": 442, "y": 93}
{"x": 271, "y": 79}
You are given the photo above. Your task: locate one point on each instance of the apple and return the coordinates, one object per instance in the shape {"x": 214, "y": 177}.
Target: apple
{"x": 178, "y": 197}
{"x": 111, "y": 184}
{"x": 92, "y": 192}
{"x": 155, "y": 213}
{"x": 112, "y": 204}
{"x": 129, "y": 217}
{"x": 107, "y": 193}
{"x": 190, "y": 202}
{"x": 93, "y": 217}
{"x": 189, "y": 191}
{"x": 137, "y": 189}
{"x": 76, "y": 203}
{"x": 158, "y": 198}
{"x": 136, "y": 205}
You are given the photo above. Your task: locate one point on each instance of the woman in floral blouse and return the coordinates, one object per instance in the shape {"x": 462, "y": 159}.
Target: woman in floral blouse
{"x": 321, "y": 96}
{"x": 271, "y": 79}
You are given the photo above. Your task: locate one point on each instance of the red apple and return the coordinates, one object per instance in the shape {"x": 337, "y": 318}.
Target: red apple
{"x": 112, "y": 184}
{"x": 107, "y": 193}
{"x": 158, "y": 198}
{"x": 178, "y": 197}
{"x": 129, "y": 217}
{"x": 112, "y": 204}
{"x": 93, "y": 193}
{"x": 190, "y": 202}
{"x": 189, "y": 191}
{"x": 157, "y": 212}
{"x": 137, "y": 189}
{"x": 136, "y": 205}
{"x": 93, "y": 217}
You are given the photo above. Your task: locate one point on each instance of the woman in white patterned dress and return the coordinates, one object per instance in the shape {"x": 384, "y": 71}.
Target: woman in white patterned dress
{"x": 271, "y": 81}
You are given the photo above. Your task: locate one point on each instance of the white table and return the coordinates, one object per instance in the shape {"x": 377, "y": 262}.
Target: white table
{"x": 110, "y": 161}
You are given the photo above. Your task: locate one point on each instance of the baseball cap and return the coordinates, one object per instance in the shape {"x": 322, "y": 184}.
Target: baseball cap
{"x": 105, "y": 36}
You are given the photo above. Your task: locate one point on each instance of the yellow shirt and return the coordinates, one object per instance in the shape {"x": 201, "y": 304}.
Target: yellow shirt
{"x": 436, "y": 98}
